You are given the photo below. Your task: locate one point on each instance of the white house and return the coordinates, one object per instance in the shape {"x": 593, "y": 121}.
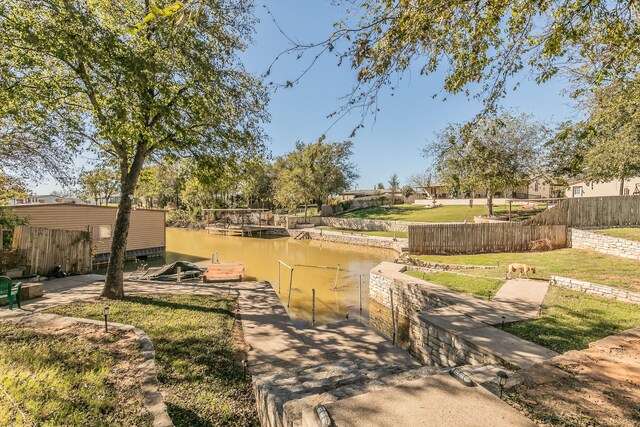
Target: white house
{"x": 34, "y": 199}
{"x": 581, "y": 188}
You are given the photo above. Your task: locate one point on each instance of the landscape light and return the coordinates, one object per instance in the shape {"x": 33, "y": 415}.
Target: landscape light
{"x": 502, "y": 380}
{"x": 105, "y": 313}
{"x": 245, "y": 364}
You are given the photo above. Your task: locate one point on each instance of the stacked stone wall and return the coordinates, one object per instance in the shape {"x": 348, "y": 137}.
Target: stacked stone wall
{"x": 351, "y": 239}
{"x": 433, "y": 345}
{"x": 595, "y": 289}
{"x": 368, "y": 224}
{"x": 584, "y": 239}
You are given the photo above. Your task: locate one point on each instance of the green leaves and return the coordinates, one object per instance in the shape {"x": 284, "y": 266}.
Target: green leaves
{"x": 155, "y": 13}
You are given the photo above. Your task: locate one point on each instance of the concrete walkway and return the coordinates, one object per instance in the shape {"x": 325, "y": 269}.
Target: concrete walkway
{"x": 360, "y": 376}
{"x": 473, "y": 320}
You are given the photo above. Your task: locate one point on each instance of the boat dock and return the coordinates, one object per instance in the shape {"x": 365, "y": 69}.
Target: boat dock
{"x": 244, "y": 229}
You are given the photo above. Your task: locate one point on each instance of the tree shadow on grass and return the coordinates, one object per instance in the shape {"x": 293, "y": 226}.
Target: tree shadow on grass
{"x": 182, "y": 416}
{"x": 172, "y": 305}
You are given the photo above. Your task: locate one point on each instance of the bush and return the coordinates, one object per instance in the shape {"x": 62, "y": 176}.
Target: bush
{"x": 184, "y": 219}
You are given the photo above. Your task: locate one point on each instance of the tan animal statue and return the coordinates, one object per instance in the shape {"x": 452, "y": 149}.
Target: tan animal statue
{"x": 521, "y": 269}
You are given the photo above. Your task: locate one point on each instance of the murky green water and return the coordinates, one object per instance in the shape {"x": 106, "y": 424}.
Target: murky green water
{"x": 315, "y": 267}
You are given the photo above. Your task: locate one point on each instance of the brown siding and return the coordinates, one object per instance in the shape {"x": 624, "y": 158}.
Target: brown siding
{"x": 147, "y": 225}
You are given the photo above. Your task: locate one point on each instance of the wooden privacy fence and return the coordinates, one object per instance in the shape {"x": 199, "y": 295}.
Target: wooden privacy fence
{"x": 39, "y": 250}
{"x": 482, "y": 238}
{"x": 611, "y": 211}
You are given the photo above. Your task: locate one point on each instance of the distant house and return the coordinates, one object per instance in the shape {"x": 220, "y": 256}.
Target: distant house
{"x": 539, "y": 187}
{"x": 357, "y": 194}
{"x": 146, "y": 233}
{"x": 34, "y": 199}
{"x": 582, "y": 188}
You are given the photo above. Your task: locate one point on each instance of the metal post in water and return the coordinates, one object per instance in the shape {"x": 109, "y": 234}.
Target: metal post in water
{"x": 313, "y": 307}
{"x": 278, "y": 277}
{"x": 335, "y": 285}
{"x": 179, "y": 271}
{"x": 290, "y": 282}
{"x": 360, "y": 294}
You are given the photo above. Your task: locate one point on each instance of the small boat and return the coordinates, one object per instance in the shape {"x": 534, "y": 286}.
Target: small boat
{"x": 188, "y": 270}
{"x": 224, "y": 272}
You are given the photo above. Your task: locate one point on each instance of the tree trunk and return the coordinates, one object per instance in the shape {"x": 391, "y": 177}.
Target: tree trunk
{"x": 305, "y": 213}
{"x": 113, "y": 286}
{"x": 490, "y": 202}
{"x": 622, "y": 187}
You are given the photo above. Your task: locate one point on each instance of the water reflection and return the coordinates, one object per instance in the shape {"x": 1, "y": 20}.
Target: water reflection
{"x": 315, "y": 266}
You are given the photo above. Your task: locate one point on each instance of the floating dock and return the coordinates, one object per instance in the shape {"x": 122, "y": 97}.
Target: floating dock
{"x": 224, "y": 272}
{"x": 245, "y": 229}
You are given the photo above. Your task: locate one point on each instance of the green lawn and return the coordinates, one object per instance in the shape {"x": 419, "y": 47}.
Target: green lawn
{"x": 571, "y": 320}
{"x": 574, "y": 263}
{"x": 419, "y": 213}
{"x": 197, "y": 357}
{"x": 58, "y": 379}
{"x": 398, "y": 234}
{"x": 480, "y": 287}
{"x": 623, "y": 233}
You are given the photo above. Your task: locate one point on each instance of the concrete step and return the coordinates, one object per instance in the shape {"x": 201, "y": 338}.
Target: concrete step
{"x": 378, "y": 379}
{"x": 430, "y": 401}
{"x": 282, "y": 389}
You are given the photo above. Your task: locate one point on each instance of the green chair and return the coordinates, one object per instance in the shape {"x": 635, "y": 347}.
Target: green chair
{"x": 11, "y": 291}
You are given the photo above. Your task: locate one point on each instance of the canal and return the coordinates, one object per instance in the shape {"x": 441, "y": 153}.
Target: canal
{"x": 315, "y": 267}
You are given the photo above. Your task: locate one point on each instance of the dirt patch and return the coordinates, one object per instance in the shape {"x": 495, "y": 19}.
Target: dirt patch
{"x": 599, "y": 386}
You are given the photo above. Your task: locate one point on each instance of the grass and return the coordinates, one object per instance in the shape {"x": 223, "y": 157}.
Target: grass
{"x": 419, "y": 213}
{"x": 398, "y": 234}
{"x": 480, "y": 287}
{"x": 57, "y": 379}
{"x": 197, "y": 356}
{"x": 623, "y": 233}
{"x": 570, "y": 320}
{"x": 574, "y": 263}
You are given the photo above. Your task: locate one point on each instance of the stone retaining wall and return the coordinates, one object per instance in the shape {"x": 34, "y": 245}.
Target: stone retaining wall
{"x": 351, "y": 239}
{"x": 433, "y": 339}
{"x": 367, "y": 224}
{"x": 595, "y": 289}
{"x": 409, "y": 300}
{"x": 583, "y": 239}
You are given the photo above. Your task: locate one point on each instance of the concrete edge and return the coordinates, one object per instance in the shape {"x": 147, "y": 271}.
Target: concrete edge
{"x": 152, "y": 399}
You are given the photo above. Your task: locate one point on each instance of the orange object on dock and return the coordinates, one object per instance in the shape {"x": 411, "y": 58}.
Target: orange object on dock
{"x": 224, "y": 272}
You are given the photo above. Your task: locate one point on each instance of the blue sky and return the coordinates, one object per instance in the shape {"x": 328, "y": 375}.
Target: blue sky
{"x": 407, "y": 120}
{"x": 390, "y": 144}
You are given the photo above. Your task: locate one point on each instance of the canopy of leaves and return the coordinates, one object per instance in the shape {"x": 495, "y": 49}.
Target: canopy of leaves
{"x": 75, "y": 72}
{"x": 499, "y": 153}
{"x": 606, "y": 145}
{"x": 313, "y": 172}
{"x": 480, "y": 44}
{"x": 99, "y": 184}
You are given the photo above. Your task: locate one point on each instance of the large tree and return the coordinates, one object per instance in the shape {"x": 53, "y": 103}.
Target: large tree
{"x": 312, "y": 172}
{"x": 605, "y": 146}
{"x": 500, "y": 153}
{"x": 130, "y": 79}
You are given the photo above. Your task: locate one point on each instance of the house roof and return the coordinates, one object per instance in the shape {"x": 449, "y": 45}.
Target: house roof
{"x": 365, "y": 192}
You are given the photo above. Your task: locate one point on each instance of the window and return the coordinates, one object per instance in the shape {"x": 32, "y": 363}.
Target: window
{"x": 102, "y": 231}
{"x": 625, "y": 192}
{"x": 577, "y": 191}
{"x": 537, "y": 186}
